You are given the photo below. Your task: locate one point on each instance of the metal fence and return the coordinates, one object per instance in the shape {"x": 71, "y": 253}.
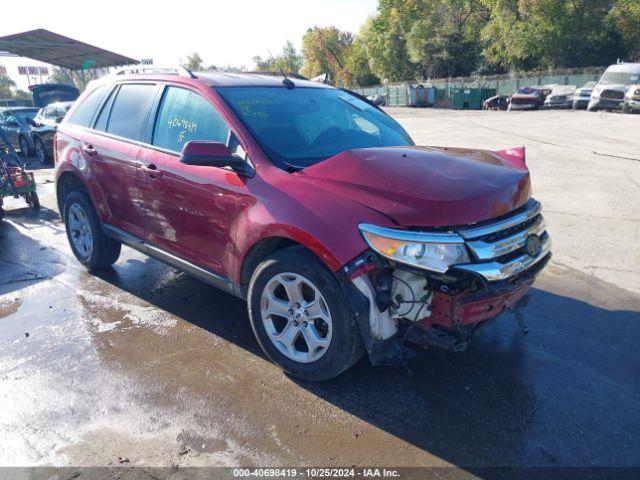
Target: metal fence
{"x": 397, "y": 95}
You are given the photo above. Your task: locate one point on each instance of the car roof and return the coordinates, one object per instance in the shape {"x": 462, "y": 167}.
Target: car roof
{"x": 223, "y": 79}
{"x": 625, "y": 68}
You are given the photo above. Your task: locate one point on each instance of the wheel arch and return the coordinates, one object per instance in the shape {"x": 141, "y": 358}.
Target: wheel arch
{"x": 258, "y": 252}
{"x": 67, "y": 182}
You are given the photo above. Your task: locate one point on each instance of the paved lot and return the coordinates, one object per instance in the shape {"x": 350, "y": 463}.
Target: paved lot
{"x": 145, "y": 363}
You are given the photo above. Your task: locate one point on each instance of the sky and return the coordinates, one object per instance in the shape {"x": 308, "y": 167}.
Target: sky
{"x": 222, "y": 32}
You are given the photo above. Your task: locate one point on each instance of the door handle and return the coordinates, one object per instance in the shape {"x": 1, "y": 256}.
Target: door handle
{"x": 89, "y": 150}
{"x": 151, "y": 170}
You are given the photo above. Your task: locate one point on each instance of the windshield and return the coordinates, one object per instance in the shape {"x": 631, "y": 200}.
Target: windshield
{"x": 528, "y": 90}
{"x": 300, "y": 127}
{"x": 619, "y": 78}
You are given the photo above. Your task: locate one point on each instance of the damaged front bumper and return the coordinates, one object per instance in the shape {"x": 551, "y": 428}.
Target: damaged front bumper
{"x": 397, "y": 303}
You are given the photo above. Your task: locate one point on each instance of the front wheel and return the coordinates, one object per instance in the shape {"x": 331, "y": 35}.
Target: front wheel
{"x": 41, "y": 153}
{"x": 301, "y": 317}
{"x": 24, "y": 146}
{"x": 87, "y": 240}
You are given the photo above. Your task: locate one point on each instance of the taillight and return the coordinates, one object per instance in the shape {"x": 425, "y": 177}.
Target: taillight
{"x": 55, "y": 148}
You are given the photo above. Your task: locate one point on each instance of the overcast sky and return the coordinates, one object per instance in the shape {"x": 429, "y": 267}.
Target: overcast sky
{"x": 223, "y": 32}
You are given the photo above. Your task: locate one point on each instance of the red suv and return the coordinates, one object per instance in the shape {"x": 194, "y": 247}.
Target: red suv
{"x": 305, "y": 200}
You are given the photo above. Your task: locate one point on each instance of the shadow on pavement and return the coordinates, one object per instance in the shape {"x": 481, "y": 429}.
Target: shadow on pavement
{"x": 23, "y": 260}
{"x": 512, "y": 399}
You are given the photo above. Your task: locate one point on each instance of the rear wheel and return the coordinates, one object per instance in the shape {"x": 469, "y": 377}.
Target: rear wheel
{"x": 301, "y": 317}
{"x": 87, "y": 240}
{"x": 33, "y": 200}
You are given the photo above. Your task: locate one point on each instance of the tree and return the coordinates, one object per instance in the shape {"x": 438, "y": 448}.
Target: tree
{"x": 7, "y": 86}
{"x": 384, "y": 37}
{"x": 194, "y": 62}
{"x": 626, "y": 17}
{"x": 443, "y": 41}
{"x": 325, "y": 50}
{"x": 356, "y": 67}
{"x": 289, "y": 60}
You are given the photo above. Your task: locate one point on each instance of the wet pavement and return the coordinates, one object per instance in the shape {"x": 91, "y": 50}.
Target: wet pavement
{"x": 146, "y": 364}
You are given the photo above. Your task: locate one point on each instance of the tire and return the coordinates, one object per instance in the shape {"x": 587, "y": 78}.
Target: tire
{"x": 25, "y": 151}
{"x": 342, "y": 341}
{"x": 40, "y": 150}
{"x": 82, "y": 223}
{"x": 33, "y": 200}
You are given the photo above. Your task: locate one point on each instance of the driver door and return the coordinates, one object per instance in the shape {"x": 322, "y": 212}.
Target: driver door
{"x": 189, "y": 210}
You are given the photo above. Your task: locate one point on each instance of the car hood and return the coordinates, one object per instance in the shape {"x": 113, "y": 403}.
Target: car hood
{"x": 427, "y": 186}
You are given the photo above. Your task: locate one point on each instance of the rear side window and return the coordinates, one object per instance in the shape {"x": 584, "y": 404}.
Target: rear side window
{"x": 130, "y": 111}
{"x": 84, "y": 113}
{"x": 184, "y": 116}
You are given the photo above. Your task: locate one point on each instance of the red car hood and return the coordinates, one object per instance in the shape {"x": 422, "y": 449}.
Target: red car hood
{"x": 427, "y": 186}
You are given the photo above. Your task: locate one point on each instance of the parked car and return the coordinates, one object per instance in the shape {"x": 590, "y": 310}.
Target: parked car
{"x": 582, "y": 96}
{"x": 45, "y": 93}
{"x": 311, "y": 204}
{"x": 377, "y": 99}
{"x": 497, "y": 102}
{"x": 560, "y": 97}
{"x": 44, "y": 126}
{"x": 609, "y": 93}
{"x": 632, "y": 100}
{"x": 16, "y": 123}
{"x": 529, "y": 98}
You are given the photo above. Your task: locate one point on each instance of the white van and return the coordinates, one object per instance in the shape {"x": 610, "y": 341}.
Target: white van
{"x": 613, "y": 85}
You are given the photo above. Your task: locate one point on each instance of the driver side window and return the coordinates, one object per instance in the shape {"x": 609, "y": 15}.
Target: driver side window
{"x": 184, "y": 116}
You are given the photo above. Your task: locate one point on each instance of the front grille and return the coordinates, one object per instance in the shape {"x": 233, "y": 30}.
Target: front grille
{"x": 612, "y": 95}
{"x": 499, "y": 247}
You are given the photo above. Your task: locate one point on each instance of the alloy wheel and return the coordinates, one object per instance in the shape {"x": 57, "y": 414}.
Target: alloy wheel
{"x": 296, "y": 317}
{"x": 80, "y": 230}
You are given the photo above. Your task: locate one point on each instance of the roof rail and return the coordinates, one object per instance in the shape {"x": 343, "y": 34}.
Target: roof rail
{"x": 153, "y": 69}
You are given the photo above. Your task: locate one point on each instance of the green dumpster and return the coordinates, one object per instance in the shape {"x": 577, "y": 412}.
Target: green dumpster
{"x": 470, "y": 98}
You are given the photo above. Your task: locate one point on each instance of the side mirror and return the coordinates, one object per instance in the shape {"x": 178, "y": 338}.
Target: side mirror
{"x": 31, "y": 122}
{"x": 211, "y": 154}
{"x": 59, "y": 119}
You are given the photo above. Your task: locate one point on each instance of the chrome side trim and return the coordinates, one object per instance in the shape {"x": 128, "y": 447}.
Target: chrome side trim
{"x": 495, "y": 271}
{"x": 409, "y": 236}
{"x": 533, "y": 209}
{"x": 207, "y": 276}
{"x": 487, "y": 251}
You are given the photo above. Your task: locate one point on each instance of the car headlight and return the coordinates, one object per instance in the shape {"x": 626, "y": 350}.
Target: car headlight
{"x": 431, "y": 251}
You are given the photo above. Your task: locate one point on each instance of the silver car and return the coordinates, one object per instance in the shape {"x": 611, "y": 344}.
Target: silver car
{"x": 632, "y": 100}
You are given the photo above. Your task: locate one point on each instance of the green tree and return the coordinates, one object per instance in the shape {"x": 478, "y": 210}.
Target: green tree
{"x": 194, "y": 62}
{"x": 357, "y": 71}
{"x": 384, "y": 37}
{"x": 325, "y": 50}
{"x": 443, "y": 41}
{"x": 7, "y": 86}
{"x": 626, "y": 17}
{"x": 289, "y": 60}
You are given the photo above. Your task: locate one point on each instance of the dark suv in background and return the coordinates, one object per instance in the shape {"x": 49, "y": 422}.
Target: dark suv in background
{"x": 44, "y": 127}
{"x": 16, "y": 123}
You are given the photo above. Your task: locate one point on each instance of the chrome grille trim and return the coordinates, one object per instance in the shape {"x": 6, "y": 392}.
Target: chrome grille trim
{"x": 488, "y": 250}
{"x": 490, "y": 261}
{"x": 495, "y": 271}
{"x": 533, "y": 208}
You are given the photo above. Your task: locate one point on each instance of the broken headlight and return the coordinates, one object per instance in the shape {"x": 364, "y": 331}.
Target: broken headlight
{"x": 431, "y": 251}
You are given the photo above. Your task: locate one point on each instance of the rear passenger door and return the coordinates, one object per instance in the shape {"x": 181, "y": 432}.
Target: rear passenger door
{"x": 112, "y": 148}
{"x": 188, "y": 209}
